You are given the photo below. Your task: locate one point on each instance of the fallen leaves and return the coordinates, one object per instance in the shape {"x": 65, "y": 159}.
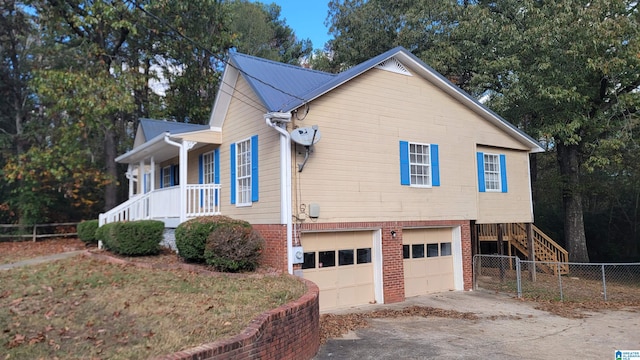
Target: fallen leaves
{"x": 332, "y": 325}
{"x": 14, "y": 251}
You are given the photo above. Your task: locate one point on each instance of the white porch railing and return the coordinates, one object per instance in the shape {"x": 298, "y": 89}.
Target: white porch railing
{"x": 201, "y": 200}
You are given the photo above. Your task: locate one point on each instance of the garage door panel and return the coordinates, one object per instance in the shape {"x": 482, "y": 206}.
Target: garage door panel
{"x": 350, "y": 282}
{"x": 431, "y": 271}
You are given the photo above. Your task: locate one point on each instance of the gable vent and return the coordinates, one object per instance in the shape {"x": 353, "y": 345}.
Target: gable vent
{"x": 393, "y": 65}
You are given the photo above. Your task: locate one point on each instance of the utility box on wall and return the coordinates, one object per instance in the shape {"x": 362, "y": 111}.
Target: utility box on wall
{"x": 298, "y": 255}
{"x": 314, "y": 210}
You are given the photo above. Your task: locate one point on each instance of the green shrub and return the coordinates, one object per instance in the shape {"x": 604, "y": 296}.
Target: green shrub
{"x": 87, "y": 231}
{"x": 233, "y": 247}
{"x": 134, "y": 238}
{"x": 142, "y": 237}
{"x": 107, "y": 233}
{"x": 192, "y": 235}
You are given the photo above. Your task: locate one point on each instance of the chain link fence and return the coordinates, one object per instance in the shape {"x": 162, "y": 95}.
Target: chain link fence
{"x": 557, "y": 281}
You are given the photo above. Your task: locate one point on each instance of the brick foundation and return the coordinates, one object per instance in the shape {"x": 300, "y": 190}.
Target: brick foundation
{"x": 275, "y": 252}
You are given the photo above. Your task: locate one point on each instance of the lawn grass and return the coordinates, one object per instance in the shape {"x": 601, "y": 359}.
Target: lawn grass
{"x": 83, "y": 308}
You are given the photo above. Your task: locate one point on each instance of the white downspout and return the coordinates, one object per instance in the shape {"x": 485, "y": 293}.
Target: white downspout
{"x": 285, "y": 186}
{"x": 183, "y": 177}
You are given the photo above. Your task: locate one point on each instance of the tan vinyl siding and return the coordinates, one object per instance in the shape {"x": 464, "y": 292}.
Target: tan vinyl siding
{"x": 244, "y": 119}
{"x": 354, "y": 171}
{"x": 515, "y": 204}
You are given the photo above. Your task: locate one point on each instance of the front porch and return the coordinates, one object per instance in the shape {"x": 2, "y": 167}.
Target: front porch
{"x": 166, "y": 205}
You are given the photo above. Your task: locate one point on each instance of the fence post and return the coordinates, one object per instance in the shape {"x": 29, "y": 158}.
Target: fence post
{"x": 560, "y": 281}
{"x": 475, "y": 272}
{"x": 518, "y": 277}
{"x": 604, "y": 283}
{"x": 34, "y": 232}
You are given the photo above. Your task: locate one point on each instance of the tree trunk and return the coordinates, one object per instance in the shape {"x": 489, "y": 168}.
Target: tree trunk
{"x": 576, "y": 242}
{"x": 111, "y": 189}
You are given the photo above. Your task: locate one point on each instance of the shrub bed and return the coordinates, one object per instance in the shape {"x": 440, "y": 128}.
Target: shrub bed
{"x": 192, "y": 235}
{"x": 233, "y": 247}
{"x": 135, "y": 238}
{"x": 87, "y": 231}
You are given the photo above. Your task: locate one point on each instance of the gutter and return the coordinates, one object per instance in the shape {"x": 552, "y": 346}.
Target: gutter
{"x": 285, "y": 177}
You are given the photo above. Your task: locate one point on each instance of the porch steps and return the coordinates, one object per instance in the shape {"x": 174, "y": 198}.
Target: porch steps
{"x": 515, "y": 234}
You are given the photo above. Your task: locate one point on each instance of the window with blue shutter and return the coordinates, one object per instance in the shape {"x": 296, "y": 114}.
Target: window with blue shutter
{"x": 244, "y": 172}
{"x": 175, "y": 175}
{"x": 232, "y": 160}
{"x": 492, "y": 172}
{"x": 419, "y": 164}
{"x": 503, "y": 173}
{"x": 216, "y": 171}
{"x": 254, "y": 169}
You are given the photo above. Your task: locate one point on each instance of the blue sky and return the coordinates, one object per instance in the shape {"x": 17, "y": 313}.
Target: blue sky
{"x": 306, "y": 18}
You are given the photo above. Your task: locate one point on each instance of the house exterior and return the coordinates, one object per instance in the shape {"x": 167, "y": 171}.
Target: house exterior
{"x": 375, "y": 198}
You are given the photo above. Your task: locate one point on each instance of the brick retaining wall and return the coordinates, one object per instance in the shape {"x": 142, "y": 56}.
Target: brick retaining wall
{"x": 291, "y": 331}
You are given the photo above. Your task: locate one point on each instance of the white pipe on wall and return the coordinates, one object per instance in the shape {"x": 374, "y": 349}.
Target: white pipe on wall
{"x": 285, "y": 184}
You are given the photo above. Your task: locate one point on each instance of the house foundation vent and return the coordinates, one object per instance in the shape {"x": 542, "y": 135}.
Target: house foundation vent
{"x": 393, "y": 65}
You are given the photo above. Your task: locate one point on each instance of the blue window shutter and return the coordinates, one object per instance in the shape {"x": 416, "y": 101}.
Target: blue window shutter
{"x": 435, "y": 166}
{"x": 233, "y": 172}
{"x": 216, "y": 169}
{"x": 254, "y": 169}
{"x": 201, "y": 177}
{"x": 404, "y": 163}
{"x": 503, "y": 172}
{"x": 481, "y": 185}
{"x": 144, "y": 184}
{"x": 171, "y": 176}
{"x": 161, "y": 178}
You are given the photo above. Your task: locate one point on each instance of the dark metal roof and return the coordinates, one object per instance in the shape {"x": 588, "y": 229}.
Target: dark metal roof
{"x": 152, "y": 128}
{"x": 277, "y": 84}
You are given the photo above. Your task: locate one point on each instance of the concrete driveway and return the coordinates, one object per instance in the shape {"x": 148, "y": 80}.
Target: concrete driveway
{"x": 507, "y": 328}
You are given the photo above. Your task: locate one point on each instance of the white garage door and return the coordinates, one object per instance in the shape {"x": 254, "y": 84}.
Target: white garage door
{"x": 341, "y": 264}
{"x": 428, "y": 260}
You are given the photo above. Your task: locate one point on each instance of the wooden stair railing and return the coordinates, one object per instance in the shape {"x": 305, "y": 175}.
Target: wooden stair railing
{"x": 546, "y": 250}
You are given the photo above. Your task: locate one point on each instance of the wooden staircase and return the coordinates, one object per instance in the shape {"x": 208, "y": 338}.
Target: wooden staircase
{"x": 515, "y": 234}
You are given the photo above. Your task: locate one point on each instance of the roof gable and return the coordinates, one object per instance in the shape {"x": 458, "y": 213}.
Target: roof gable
{"x": 283, "y": 87}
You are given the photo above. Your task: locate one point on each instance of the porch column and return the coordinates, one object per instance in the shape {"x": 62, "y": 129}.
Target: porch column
{"x": 184, "y": 162}
{"x": 141, "y": 182}
{"x": 153, "y": 174}
{"x": 130, "y": 178}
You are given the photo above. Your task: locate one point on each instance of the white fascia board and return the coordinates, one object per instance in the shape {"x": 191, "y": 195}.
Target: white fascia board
{"x": 133, "y": 152}
{"x": 225, "y": 92}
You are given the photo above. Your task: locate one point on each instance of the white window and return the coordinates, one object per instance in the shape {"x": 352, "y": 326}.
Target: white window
{"x": 243, "y": 172}
{"x": 492, "y": 172}
{"x": 208, "y": 166}
{"x": 420, "y": 164}
{"x": 166, "y": 176}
